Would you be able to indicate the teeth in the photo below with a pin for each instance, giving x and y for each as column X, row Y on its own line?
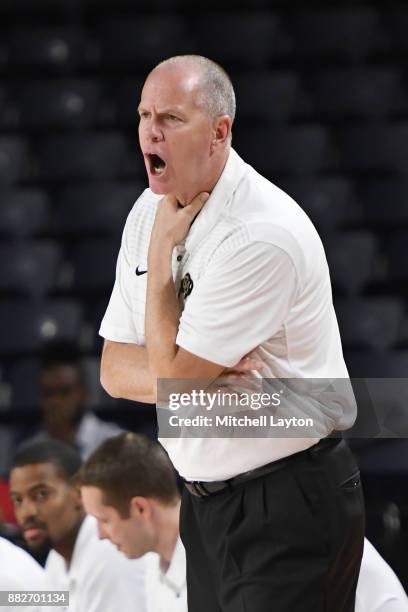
column 158, row 169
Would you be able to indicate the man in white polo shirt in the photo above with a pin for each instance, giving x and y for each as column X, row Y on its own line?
column 129, row 485
column 216, row 263
column 378, row 589
column 49, row 510
column 19, row 572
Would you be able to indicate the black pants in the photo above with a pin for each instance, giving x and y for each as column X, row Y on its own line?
column 290, row 541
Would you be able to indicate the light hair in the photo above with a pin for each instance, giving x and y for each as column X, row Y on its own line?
column 216, row 94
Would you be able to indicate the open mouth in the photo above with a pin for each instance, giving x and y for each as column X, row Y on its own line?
column 156, row 163
column 32, row 533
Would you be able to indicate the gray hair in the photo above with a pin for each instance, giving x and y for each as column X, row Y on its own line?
column 216, row 93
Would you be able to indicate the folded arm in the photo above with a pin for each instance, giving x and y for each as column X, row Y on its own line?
column 125, row 372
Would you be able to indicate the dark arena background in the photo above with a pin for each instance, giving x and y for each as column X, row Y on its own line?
column 322, row 111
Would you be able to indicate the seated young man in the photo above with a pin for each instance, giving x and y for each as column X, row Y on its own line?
column 50, row 513
column 129, row 485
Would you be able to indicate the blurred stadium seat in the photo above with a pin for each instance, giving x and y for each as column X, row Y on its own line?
column 349, row 34
column 296, row 150
column 330, row 202
column 94, row 265
column 398, row 151
column 367, row 148
column 254, row 38
column 351, row 257
column 25, row 326
column 142, row 5
column 25, row 396
column 127, row 98
column 3, row 96
column 278, row 92
column 385, row 202
column 14, row 163
column 9, row 110
column 82, row 156
column 373, row 323
column 94, row 209
column 23, row 212
column 357, row 92
column 144, row 41
column 398, row 258
column 381, row 364
column 29, row 267
column 60, row 8
column 397, row 18
column 57, row 48
column 62, row 103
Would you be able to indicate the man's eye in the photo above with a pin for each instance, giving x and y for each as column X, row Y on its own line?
column 41, row 495
column 173, row 117
column 143, row 115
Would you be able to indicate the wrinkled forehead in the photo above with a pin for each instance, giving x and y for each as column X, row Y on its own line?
column 170, row 86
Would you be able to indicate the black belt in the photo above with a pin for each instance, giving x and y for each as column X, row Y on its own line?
column 201, row 488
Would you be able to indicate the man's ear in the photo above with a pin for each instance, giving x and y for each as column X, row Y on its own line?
column 77, row 497
column 221, row 132
column 140, row 507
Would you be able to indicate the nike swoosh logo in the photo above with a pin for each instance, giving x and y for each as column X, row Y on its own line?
column 140, row 272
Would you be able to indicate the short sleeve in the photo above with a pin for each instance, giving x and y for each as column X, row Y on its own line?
column 240, row 301
column 118, row 323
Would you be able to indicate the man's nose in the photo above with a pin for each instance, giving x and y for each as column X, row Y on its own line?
column 27, row 510
column 153, row 131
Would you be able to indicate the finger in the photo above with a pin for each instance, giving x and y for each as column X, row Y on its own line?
column 246, row 365
column 196, row 204
column 251, row 364
column 252, row 355
column 231, row 376
column 169, row 200
column 239, row 382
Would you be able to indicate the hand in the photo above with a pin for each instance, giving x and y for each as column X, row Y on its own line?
column 242, row 368
column 242, row 375
column 173, row 221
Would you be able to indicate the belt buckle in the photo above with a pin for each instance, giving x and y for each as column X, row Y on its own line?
column 200, row 489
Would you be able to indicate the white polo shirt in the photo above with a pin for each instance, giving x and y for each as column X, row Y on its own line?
column 99, row 578
column 167, row 591
column 260, row 281
column 378, row 589
column 19, row 572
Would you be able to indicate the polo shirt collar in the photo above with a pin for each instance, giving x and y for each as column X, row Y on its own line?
column 175, row 576
column 234, row 170
column 86, row 533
